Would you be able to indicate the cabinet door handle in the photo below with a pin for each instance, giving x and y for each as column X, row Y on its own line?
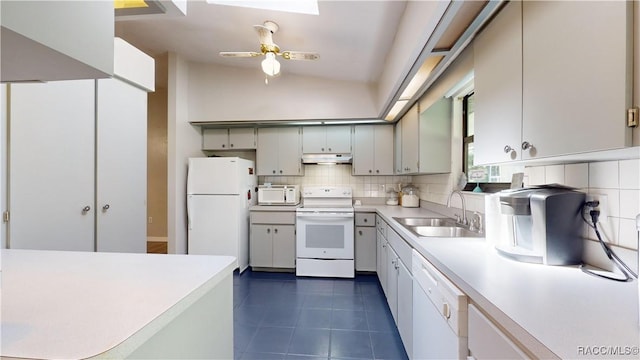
column 223, row 145
column 526, row 145
column 322, row 149
column 86, row 209
column 508, row 149
column 268, row 231
column 329, row 149
column 280, row 171
column 105, row 207
column 365, row 219
column 377, row 171
column 230, row 145
column 370, row 171
column 275, row 231
column 274, row 171
column 360, row 232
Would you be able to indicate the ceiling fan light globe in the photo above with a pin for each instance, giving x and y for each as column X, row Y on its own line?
column 270, row 65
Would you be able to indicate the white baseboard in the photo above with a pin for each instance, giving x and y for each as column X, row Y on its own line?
column 157, row 238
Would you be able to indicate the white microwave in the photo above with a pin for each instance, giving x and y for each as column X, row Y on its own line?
column 278, row 195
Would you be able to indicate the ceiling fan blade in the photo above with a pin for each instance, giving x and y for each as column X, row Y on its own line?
column 300, row 55
column 239, row 53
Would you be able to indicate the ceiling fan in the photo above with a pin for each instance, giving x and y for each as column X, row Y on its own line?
column 270, row 65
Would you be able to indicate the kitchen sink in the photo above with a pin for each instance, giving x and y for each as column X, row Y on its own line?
column 420, row 221
column 436, row 227
column 444, row 231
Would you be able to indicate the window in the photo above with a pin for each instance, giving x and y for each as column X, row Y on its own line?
column 488, row 178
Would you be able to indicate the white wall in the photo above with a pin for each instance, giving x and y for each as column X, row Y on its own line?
column 220, row 93
column 183, row 141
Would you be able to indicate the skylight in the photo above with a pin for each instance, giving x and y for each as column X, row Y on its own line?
column 309, row 7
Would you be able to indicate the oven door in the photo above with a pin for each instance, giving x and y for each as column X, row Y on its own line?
column 324, row 235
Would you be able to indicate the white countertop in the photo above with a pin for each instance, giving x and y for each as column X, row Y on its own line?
column 551, row 310
column 274, row 207
column 58, row 304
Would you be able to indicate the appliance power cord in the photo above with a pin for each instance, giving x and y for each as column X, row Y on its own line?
column 624, row 268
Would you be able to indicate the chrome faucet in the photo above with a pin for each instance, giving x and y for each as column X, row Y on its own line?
column 476, row 222
column 464, row 206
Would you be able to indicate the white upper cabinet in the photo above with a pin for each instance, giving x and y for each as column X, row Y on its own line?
column 215, row 139
column 576, row 88
column 498, row 88
column 410, row 141
column 38, row 34
column 242, row 138
column 279, row 151
column 538, row 98
column 229, row 139
column 435, row 138
column 373, row 150
column 397, row 146
column 326, row 139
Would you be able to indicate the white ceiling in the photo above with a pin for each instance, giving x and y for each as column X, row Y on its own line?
column 352, row 37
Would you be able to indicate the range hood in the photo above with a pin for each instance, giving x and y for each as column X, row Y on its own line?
column 326, row 158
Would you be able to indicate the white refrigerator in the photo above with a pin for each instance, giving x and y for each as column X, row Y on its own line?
column 219, row 194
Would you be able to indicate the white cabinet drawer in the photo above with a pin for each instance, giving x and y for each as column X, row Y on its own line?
column 400, row 247
column 382, row 226
column 273, row 217
column 365, row 219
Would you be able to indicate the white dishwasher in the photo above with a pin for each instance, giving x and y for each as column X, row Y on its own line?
column 439, row 314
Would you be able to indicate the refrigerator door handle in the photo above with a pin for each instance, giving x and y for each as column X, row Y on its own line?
column 189, row 226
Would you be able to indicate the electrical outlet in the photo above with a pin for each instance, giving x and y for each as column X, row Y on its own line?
column 150, row 220
column 603, row 207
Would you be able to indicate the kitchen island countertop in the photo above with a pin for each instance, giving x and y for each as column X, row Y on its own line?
column 61, row 304
column 552, row 311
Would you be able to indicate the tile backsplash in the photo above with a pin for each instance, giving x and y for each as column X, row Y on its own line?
column 339, row 175
column 618, row 181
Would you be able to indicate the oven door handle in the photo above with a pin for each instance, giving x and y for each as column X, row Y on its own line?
column 325, row 217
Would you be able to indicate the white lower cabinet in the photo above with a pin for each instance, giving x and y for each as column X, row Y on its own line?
column 272, row 239
column 486, row 341
column 394, row 272
column 405, row 307
column 381, row 253
column 392, row 282
column 365, row 242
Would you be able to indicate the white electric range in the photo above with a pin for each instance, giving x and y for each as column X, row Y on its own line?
column 324, row 233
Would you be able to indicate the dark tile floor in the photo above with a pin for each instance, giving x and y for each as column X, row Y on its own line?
column 280, row 316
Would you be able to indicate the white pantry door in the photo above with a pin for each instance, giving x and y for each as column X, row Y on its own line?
column 121, row 199
column 51, row 165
